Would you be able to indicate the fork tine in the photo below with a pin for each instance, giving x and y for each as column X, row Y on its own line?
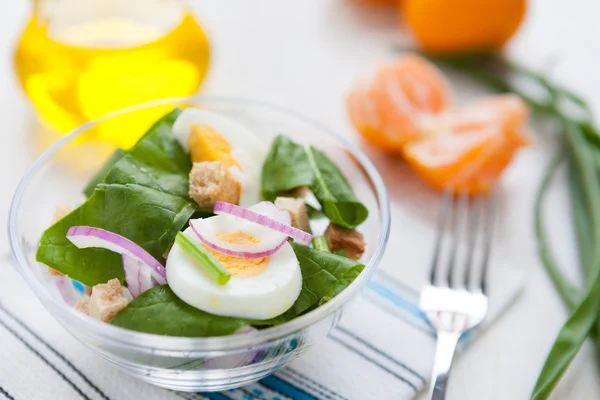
column 460, row 208
column 473, row 229
column 487, row 239
column 447, row 202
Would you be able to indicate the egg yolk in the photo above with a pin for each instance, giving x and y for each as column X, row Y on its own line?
column 206, row 144
column 240, row 267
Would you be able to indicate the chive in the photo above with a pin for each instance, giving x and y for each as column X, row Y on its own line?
column 209, row 264
column 320, row 243
column 581, row 220
column 566, row 290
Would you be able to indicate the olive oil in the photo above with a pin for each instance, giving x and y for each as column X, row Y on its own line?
column 78, row 69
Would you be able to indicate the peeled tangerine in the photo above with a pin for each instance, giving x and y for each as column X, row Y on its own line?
column 406, row 110
column 390, row 109
column 469, row 148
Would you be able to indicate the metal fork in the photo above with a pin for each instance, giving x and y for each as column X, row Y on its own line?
column 455, row 300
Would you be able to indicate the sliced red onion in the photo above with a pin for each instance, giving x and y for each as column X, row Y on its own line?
column 88, row 236
column 202, row 229
column 66, row 289
column 270, row 210
column 257, row 217
column 138, row 278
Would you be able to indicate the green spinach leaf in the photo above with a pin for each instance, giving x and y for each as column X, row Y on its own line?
column 286, row 167
column 324, row 275
column 99, row 177
column 143, row 197
column 314, row 213
column 290, row 165
column 334, row 193
column 161, row 312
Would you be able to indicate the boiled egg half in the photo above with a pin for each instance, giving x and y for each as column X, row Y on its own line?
column 259, row 288
column 209, row 136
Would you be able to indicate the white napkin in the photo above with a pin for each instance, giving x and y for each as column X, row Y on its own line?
column 382, row 349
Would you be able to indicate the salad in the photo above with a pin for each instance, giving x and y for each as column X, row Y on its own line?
column 201, row 230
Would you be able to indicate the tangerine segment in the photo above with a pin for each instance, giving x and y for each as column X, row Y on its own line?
column 367, row 119
column 389, row 111
column 469, row 148
column 508, row 110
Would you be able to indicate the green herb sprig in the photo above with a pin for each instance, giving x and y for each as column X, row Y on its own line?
column 203, row 258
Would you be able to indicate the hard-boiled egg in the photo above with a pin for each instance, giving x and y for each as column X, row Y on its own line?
column 209, row 136
column 259, row 288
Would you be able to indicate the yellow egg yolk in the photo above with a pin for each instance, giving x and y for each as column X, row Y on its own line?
column 206, row 144
column 240, row 267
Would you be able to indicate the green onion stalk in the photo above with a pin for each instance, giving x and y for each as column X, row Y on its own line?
column 580, row 154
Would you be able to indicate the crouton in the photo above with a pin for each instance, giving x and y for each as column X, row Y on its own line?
column 211, row 181
column 83, row 304
column 54, row 272
column 106, row 301
column 348, row 240
column 297, row 210
column 300, row 191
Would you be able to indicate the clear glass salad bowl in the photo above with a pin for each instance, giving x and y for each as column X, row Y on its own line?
column 187, row 364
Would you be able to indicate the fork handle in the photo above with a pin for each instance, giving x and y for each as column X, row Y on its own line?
column 444, row 352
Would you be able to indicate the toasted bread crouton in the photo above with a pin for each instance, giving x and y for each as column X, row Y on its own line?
column 297, row 210
column 348, row 240
column 300, row 191
column 83, row 304
column 54, row 272
column 106, row 300
column 211, row 181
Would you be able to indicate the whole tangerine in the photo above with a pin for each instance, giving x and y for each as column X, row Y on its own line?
column 458, row 26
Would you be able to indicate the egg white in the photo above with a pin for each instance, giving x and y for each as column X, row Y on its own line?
column 264, row 296
column 246, row 149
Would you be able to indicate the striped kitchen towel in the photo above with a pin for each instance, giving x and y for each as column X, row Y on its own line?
column 382, row 349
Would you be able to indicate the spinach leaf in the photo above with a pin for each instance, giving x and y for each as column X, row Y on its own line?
column 144, row 202
column 290, row 165
column 286, row 167
column 324, row 275
column 99, row 177
column 314, row 213
column 334, row 193
column 161, row 312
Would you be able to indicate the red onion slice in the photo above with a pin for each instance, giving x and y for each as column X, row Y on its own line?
column 230, row 250
column 138, row 278
column 66, row 289
column 249, row 215
column 88, row 236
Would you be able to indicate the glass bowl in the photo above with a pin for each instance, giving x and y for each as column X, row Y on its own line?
column 178, row 363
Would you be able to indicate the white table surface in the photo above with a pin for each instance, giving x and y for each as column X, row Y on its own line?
column 306, row 54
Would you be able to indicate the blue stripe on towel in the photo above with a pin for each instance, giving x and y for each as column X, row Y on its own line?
column 285, row 388
column 215, row 396
column 395, row 298
column 401, row 285
column 78, row 286
column 410, row 307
